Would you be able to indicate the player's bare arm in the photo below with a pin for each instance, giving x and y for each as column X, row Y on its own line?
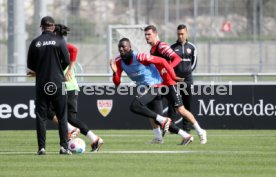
column 68, row 74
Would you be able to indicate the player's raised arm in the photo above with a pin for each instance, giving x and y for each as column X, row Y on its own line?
column 115, row 66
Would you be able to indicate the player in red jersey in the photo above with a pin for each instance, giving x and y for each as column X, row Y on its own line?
column 163, row 50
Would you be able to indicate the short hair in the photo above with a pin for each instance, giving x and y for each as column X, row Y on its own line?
column 47, row 22
column 181, row 26
column 124, row 40
column 151, row 27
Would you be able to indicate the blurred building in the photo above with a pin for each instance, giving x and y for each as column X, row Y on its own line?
column 232, row 36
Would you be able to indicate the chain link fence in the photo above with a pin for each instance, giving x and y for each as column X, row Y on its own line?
column 231, row 36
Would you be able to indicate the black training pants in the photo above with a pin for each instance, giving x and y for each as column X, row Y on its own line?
column 140, row 104
column 59, row 101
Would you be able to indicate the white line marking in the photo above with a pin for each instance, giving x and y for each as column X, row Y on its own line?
column 137, row 152
column 105, row 152
column 144, row 152
column 213, row 135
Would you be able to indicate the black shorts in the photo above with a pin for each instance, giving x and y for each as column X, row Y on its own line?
column 174, row 98
column 147, row 95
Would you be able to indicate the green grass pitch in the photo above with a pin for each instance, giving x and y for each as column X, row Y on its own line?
column 228, row 153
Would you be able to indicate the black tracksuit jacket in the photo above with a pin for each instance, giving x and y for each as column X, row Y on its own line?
column 188, row 53
column 48, row 56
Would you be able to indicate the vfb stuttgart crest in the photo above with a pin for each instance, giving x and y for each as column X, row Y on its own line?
column 104, row 106
column 189, row 51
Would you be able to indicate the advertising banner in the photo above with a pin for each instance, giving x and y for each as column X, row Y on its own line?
column 106, row 107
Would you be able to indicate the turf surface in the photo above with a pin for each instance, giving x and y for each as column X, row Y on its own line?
column 228, row 153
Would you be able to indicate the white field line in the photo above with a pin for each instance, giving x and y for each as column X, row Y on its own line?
column 213, row 135
column 145, row 152
column 105, row 152
column 132, row 152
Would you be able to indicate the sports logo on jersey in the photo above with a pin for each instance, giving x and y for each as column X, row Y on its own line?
column 49, row 43
column 38, row 44
column 104, row 106
column 189, row 50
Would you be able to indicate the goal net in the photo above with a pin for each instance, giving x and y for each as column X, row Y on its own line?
column 135, row 33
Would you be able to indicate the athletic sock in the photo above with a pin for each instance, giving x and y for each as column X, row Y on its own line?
column 70, row 127
column 160, row 119
column 157, row 133
column 197, row 128
column 183, row 134
column 91, row 136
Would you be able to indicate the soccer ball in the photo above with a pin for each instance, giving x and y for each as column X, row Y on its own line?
column 76, row 145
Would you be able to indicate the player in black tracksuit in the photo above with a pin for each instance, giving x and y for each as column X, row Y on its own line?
column 47, row 57
column 188, row 53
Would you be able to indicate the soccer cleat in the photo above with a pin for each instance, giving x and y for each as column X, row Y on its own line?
column 187, row 141
column 42, row 151
column 74, row 133
column 64, row 151
column 203, row 137
column 97, row 145
column 156, row 141
column 165, row 126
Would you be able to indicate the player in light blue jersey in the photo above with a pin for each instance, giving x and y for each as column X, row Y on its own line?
column 142, row 68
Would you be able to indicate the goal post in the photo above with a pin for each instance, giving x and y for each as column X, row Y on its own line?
column 135, row 33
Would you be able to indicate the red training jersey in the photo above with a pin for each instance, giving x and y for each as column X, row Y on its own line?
column 73, row 51
column 163, row 50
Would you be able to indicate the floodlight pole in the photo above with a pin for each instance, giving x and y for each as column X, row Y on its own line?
column 40, row 11
column 11, row 60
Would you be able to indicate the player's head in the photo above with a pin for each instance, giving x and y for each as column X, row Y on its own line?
column 151, row 35
column 47, row 24
column 182, row 33
column 124, row 48
column 61, row 30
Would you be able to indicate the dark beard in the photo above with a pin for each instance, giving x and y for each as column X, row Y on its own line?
column 127, row 58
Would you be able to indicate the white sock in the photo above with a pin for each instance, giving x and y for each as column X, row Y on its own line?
column 70, row 127
column 160, row 119
column 157, row 133
column 91, row 136
column 183, row 134
column 197, row 128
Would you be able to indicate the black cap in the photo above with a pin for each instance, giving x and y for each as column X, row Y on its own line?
column 47, row 21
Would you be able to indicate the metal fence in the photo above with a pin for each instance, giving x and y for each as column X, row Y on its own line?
column 199, row 78
column 232, row 36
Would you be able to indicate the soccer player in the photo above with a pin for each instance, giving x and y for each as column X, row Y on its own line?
column 47, row 57
column 146, row 70
column 188, row 53
column 72, row 89
column 163, row 50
